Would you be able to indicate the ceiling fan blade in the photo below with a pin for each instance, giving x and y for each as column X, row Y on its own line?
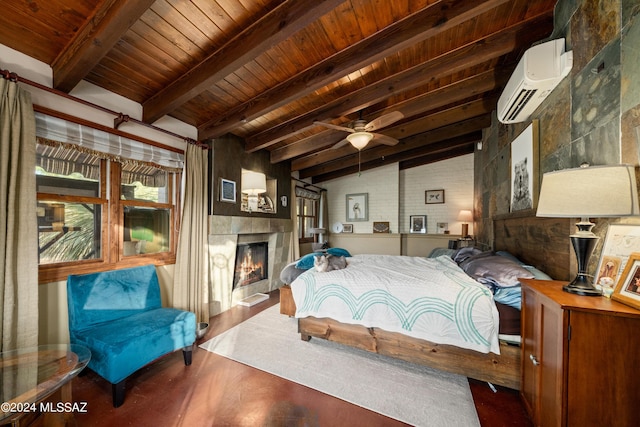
column 384, row 139
column 383, row 121
column 332, row 126
column 340, row 144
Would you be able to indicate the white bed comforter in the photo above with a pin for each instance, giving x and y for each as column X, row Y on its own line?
column 427, row 298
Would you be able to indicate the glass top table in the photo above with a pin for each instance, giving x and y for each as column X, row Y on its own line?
column 30, row 375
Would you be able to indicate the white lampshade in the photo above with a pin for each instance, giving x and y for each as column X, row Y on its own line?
column 359, row 139
column 465, row 215
column 253, row 183
column 589, row 192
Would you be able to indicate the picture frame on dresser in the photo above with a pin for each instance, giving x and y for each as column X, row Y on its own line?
column 618, row 245
column 627, row 290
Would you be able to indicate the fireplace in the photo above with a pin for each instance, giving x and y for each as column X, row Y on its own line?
column 251, row 264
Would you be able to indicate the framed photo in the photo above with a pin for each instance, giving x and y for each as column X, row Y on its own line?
column 433, row 197
column 524, row 169
column 227, row 190
column 621, row 240
column 381, row 227
column 627, row 290
column 418, row 223
column 347, row 228
column 442, row 228
column 357, row 207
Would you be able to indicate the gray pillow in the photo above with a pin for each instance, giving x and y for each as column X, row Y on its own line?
column 494, row 270
column 290, row 273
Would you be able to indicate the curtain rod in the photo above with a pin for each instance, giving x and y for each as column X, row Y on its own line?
column 306, row 184
column 117, row 121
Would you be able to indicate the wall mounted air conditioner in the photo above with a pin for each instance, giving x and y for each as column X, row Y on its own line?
column 539, row 71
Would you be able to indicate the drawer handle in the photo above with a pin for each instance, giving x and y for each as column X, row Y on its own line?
column 534, row 360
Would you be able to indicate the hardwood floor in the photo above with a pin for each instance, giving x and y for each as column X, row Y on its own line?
column 215, row 391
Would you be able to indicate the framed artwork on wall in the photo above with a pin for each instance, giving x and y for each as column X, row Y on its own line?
column 227, row 190
column 357, row 207
column 418, row 223
column 433, row 197
column 347, row 228
column 381, row 227
column 524, row 169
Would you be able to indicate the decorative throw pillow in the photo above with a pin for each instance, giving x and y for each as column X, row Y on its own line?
column 338, row 252
column 306, row 262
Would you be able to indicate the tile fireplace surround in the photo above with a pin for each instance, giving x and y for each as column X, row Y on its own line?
column 225, row 232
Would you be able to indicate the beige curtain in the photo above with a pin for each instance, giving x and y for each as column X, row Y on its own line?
column 18, row 233
column 190, row 281
column 294, row 253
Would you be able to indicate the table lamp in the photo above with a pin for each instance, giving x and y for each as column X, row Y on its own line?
column 588, row 192
column 253, row 183
column 465, row 216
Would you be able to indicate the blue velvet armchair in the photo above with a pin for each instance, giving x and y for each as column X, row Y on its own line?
column 118, row 315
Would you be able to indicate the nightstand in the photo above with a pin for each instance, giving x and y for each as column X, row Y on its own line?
column 579, row 358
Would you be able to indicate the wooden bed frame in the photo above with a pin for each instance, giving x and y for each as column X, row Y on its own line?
column 527, row 237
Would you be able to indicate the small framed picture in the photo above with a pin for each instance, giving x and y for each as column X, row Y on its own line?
column 627, row 290
column 227, row 190
column 418, row 223
column 433, row 197
column 442, row 228
column 347, row 228
column 381, row 227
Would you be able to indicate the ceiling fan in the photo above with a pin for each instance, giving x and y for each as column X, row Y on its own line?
column 361, row 132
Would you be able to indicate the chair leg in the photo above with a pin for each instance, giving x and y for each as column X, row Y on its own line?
column 186, row 353
column 118, row 393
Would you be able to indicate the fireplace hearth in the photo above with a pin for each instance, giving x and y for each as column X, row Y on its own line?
column 251, row 264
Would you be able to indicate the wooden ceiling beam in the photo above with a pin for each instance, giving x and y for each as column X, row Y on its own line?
column 446, row 150
column 94, row 40
column 420, row 26
column 480, row 51
column 450, row 94
column 406, row 145
column 275, row 27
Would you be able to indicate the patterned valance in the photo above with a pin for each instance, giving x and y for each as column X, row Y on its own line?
column 307, row 194
column 116, row 147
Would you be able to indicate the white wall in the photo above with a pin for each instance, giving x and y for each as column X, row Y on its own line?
column 396, row 194
column 381, row 184
column 455, row 176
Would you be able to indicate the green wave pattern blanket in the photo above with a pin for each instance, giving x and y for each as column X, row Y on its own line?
column 428, row 298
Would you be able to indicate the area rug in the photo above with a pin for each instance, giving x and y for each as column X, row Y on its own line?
column 410, row 393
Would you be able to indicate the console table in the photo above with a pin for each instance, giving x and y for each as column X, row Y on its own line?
column 29, row 376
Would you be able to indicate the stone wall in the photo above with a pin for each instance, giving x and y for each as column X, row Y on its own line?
column 592, row 116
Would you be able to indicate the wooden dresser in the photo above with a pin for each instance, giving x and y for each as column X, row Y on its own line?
column 580, row 358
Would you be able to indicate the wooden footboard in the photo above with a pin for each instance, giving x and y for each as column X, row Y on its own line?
column 503, row 369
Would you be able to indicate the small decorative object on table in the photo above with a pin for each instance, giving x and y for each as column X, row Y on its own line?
column 381, row 227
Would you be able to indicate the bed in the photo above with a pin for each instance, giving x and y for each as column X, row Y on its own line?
column 487, row 358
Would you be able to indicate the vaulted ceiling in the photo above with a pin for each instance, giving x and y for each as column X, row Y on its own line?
column 268, row 71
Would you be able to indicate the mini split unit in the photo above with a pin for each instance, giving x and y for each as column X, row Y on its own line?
column 539, row 71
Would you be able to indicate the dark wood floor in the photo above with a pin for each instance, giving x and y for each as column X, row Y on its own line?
column 215, row 391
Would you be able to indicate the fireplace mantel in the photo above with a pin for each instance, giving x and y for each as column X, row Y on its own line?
column 224, row 234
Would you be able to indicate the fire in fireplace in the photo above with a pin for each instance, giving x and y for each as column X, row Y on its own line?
column 251, row 263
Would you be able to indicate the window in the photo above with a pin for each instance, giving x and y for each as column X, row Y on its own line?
column 307, row 214
column 94, row 213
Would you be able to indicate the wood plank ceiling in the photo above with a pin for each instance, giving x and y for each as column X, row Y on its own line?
column 267, row 71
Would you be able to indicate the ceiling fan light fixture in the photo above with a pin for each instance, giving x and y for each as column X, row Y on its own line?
column 359, row 139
